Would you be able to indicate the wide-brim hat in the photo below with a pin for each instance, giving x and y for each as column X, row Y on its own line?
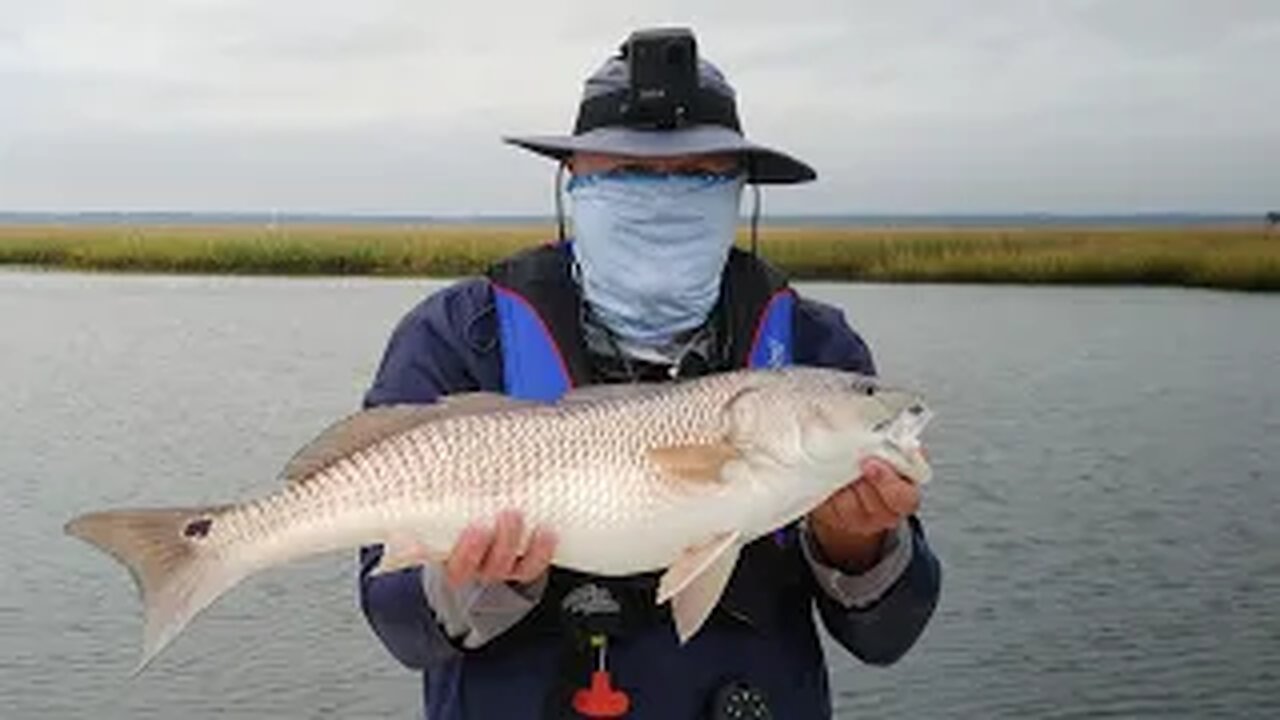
column 713, row 127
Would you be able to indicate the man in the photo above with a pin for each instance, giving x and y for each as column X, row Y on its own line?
column 649, row 289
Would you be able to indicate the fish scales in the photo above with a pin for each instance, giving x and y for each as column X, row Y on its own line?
column 552, row 463
column 548, row 462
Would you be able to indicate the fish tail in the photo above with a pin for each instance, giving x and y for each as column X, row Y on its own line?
column 175, row 570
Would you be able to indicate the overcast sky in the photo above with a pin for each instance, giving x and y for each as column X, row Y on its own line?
column 398, row 105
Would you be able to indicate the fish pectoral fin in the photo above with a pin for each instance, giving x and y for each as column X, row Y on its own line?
column 402, row 551
column 695, row 582
column 698, row 463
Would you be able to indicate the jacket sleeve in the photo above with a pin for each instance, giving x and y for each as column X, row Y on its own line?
column 877, row 615
column 444, row 345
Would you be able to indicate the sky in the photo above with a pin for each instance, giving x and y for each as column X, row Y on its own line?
column 398, row 106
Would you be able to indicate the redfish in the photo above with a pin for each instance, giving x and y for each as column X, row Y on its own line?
column 673, row 477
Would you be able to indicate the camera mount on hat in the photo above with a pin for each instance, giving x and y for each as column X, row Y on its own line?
column 662, row 91
column 663, row 70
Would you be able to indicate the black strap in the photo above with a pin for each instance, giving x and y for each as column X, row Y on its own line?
column 614, row 109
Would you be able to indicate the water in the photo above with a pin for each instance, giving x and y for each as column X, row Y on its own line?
column 1108, row 482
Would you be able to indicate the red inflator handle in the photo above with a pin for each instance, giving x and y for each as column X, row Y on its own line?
column 601, row 700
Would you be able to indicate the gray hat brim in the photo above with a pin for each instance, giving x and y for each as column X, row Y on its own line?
column 765, row 165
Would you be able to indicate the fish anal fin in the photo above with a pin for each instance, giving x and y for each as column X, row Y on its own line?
column 694, row 462
column 695, row 582
column 368, row 427
column 402, row 551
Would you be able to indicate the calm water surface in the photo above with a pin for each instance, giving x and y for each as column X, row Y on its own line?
column 1106, row 505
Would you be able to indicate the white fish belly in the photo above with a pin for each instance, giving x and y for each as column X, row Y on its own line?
column 607, row 523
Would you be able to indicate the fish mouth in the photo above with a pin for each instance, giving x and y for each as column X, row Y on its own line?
column 902, row 441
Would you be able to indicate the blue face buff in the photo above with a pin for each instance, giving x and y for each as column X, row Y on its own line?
column 651, row 248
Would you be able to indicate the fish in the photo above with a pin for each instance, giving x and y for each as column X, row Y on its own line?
column 674, row 478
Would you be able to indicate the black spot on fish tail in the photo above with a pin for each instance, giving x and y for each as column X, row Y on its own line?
column 864, row 386
column 198, row 528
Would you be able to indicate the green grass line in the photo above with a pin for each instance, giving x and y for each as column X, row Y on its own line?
column 1241, row 258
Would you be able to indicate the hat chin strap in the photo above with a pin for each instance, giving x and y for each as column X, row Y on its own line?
column 755, row 217
column 755, row 205
column 559, row 191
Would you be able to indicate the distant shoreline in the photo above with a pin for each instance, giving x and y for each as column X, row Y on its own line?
column 1237, row 256
column 823, row 220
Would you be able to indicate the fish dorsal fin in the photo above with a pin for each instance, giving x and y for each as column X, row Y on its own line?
column 480, row 402
column 694, row 462
column 368, row 427
column 355, row 433
column 613, row 391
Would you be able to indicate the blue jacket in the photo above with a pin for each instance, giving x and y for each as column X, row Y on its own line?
column 448, row 344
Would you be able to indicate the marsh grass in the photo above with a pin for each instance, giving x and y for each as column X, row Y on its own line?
column 1226, row 257
column 1242, row 258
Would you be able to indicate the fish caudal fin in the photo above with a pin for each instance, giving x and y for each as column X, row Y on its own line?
column 696, row 581
column 166, row 552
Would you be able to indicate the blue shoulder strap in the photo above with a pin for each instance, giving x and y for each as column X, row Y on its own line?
column 771, row 346
column 533, row 366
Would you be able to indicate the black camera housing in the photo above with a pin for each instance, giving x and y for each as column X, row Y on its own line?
column 663, row 65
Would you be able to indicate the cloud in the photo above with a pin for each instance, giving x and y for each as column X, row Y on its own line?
column 1000, row 105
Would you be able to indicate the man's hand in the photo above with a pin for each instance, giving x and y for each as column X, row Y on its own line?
column 850, row 526
column 491, row 554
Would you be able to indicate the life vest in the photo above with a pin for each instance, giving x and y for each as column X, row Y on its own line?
column 540, row 331
column 544, row 355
